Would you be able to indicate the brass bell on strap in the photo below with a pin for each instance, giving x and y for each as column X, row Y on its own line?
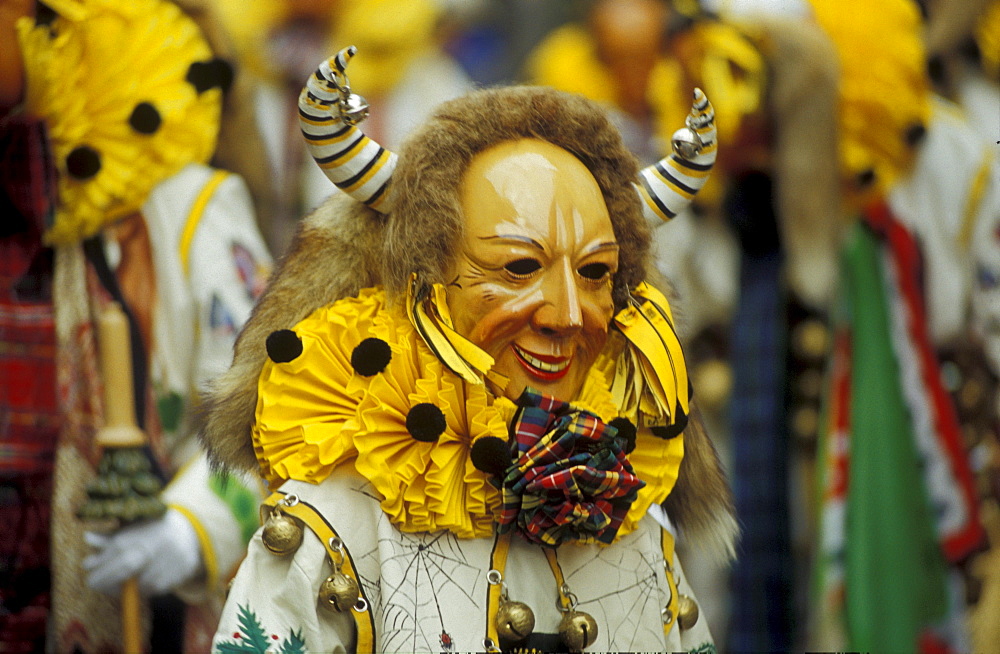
column 282, row 534
column 578, row 630
column 338, row 593
column 514, row 620
column 687, row 612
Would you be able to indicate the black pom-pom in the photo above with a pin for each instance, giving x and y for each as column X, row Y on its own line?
column 936, row 69
column 425, row 422
column 283, row 346
column 865, row 178
column 370, row 357
column 673, row 430
column 204, row 75
column 914, row 134
column 83, row 162
column 490, row 454
column 145, row 119
column 626, row 431
column 44, row 15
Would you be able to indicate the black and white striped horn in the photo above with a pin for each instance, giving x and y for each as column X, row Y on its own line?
column 329, row 114
column 668, row 186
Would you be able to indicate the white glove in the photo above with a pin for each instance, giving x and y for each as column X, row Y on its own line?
column 163, row 554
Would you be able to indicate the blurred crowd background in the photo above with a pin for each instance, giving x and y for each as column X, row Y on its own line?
column 837, row 282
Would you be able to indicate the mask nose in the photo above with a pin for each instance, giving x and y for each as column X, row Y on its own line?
column 560, row 313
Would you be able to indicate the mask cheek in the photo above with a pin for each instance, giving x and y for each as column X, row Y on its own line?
column 498, row 326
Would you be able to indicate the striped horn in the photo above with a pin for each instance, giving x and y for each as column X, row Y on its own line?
column 668, row 186
column 329, row 114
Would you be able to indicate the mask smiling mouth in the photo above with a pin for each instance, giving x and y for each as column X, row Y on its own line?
column 548, row 368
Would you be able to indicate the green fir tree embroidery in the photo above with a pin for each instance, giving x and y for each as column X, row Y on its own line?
column 251, row 638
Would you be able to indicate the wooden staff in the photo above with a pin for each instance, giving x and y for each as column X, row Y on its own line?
column 125, row 489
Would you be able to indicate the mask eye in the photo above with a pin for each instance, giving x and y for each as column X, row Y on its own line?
column 594, row 271
column 522, row 267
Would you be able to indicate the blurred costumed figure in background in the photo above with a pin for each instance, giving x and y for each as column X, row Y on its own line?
column 110, row 194
column 472, row 404
column 963, row 51
column 405, row 72
column 898, row 495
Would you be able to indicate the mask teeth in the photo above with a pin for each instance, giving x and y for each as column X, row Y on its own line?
column 354, row 163
column 667, row 187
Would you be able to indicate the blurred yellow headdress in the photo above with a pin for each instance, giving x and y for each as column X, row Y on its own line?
column 130, row 94
column 884, row 90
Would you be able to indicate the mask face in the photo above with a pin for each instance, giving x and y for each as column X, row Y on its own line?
column 532, row 286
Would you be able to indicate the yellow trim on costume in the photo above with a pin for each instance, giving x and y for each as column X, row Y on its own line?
column 207, row 551
column 557, row 573
column 324, row 531
column 975, row 198
column 195, row 215
column 667, row 544
column 498, row 562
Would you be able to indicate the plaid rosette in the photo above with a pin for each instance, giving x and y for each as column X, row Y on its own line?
column 570, row 479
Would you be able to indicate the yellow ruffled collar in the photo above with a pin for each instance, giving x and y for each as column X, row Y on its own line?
column 315, row 412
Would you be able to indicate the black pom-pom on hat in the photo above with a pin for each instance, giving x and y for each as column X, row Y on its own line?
column 205, row 75
column 490, row 455
column 626, row 431
column 283, row 346
column 83, row 162
column 425, row 422
column 371, row 356
column 145, row 119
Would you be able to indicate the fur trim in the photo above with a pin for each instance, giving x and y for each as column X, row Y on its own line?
column 802, row 102
column 334, row 255
column 701, row 503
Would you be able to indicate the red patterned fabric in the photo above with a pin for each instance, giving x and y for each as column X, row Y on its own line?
column 29, row 421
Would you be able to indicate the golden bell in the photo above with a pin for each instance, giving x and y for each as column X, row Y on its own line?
column 578, row 630
column 515, row 621
column 687, row 612
column 282, row 534
column 338, row 593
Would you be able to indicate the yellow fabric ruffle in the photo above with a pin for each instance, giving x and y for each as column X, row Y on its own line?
column 315, row 413
column 86, row 73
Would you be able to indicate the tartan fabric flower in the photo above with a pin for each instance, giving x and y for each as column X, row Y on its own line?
column 570, row 479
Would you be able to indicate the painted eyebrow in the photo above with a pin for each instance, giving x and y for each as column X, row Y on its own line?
column 607, row 245
column 514, row 237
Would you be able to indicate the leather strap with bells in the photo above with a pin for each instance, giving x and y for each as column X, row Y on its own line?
column 514, row 621
column 680, row 609
column 341, row 591
column 578, row 630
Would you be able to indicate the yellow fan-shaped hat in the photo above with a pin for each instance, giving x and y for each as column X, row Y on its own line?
column 884, row 90
column 130, row 93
